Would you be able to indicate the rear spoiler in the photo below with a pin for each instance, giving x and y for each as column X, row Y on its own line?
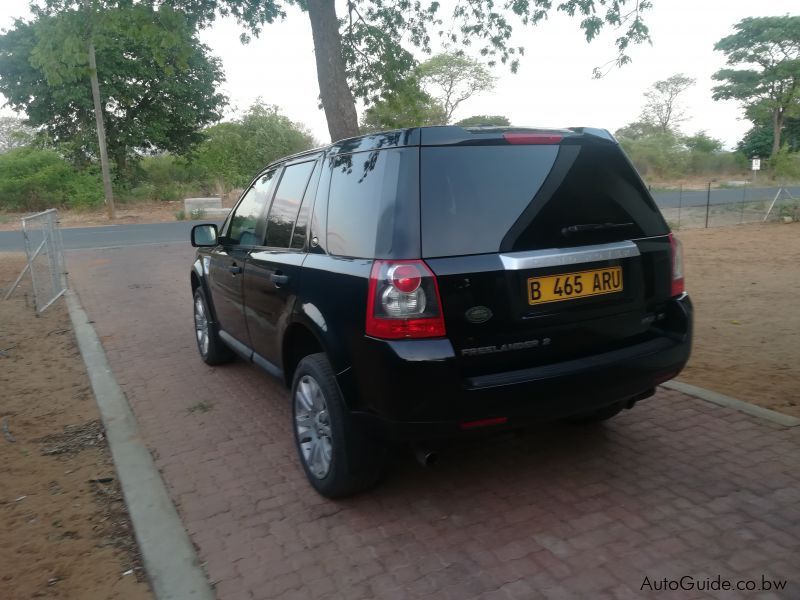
column 490, row 136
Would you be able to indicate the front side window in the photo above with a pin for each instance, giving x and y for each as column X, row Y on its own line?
column 244, row 222
column 283, row 213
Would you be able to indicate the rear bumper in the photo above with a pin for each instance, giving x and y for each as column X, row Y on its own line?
column 412, row 389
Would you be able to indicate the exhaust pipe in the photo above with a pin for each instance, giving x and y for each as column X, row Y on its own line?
column 426, row 457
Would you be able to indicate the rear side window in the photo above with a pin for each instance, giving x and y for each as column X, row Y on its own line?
column 486, row 199
column 300, row 227
column 285, row 206
column 373, row 204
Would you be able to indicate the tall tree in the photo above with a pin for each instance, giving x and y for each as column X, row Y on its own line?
column 662, row 107
column 365, row 53
column 452, row 79
column 767, row 50
column 158, row 82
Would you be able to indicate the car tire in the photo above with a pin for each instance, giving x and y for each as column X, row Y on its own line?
column 212, row 349
column 598, row 416
column 338, row 457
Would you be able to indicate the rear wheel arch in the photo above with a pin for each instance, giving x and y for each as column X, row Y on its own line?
column 299, row 341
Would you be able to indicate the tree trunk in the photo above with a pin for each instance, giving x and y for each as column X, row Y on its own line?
column 337, row 99
column 101, row 132
column 777, row 125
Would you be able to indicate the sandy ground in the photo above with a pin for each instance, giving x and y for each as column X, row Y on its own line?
column 64, row 529
column 745, row 283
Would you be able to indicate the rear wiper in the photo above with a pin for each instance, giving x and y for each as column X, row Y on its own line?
column 572, row 229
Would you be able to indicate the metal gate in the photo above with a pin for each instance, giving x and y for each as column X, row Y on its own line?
column 45, row 253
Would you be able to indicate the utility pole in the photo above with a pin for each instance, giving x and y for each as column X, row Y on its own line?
column 101, row 132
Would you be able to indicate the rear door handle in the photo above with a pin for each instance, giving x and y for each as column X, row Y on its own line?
column 279, row 279
column 234, row 269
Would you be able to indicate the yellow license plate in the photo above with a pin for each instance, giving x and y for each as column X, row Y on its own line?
column 568, row 286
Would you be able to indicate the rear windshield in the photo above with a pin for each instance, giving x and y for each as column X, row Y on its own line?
column 485, row 199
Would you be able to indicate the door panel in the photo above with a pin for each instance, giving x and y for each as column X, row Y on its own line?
column 272, row 273
column 226, row 268
column 225, row 275
column 270, row 285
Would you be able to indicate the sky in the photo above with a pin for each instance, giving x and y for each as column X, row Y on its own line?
column 553, row 87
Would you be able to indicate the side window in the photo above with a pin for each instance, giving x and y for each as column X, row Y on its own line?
column 244, row 222
column 319, row 214
column 283, row 213
column 373, row 205
column 299, row 235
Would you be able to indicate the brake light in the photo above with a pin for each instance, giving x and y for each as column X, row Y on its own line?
column 676, row 254
column 403, row 301
column 532, row 138
column 484, row 423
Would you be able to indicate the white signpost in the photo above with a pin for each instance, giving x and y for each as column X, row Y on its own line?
column 756, row 163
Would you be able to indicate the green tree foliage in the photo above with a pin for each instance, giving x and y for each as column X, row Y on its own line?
column 365, row 52
column 452, row 78
column 785, row 165
column 662, row 107
column 758, row 140
column 702, row 142
column 15, row 134
column 158, row 83
column 407, row 106
column 233, row 152
column 767, row 50
column 484, row 121
column 32, row 179
column 637, row 130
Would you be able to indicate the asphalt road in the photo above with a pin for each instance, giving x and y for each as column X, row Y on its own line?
column 113, row 236
column 734, row 195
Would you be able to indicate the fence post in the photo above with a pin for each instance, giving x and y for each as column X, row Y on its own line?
column 708, row 202
column 680, row 204
column 744, row 197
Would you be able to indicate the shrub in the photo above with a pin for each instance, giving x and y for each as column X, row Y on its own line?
column 785, row 165
column 33, row 179
column 232, row 153
column 162, row 177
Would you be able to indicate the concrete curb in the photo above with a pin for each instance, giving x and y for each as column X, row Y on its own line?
column 727, row 401
column 169, row 557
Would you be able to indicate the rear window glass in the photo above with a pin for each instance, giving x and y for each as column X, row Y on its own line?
column 472, row 195
column 485, row 199
column 373, row 204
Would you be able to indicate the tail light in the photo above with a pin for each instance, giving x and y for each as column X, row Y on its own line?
column 403, row 301
column 676, row 252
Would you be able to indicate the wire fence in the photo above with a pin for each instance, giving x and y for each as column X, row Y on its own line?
column 732, row 205
column 44, row 250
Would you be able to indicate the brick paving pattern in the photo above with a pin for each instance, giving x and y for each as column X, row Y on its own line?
column 674, row 487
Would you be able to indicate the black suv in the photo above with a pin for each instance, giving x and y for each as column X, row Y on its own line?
column 435, row 282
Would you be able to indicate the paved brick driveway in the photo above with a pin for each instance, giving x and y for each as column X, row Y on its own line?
column 675, row 487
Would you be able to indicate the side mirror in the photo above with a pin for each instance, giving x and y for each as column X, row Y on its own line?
column 204, row 235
